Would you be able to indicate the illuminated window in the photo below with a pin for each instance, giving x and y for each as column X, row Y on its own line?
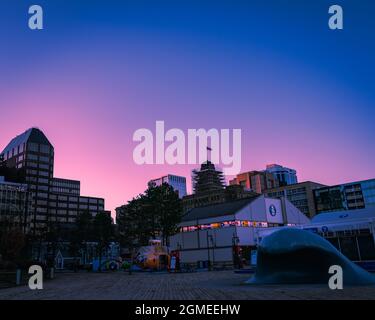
column 205, row 226
column 245, row 224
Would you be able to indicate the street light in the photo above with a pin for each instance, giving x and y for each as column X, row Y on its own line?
column 213, row 248
column 235, row 242
column 208, row 251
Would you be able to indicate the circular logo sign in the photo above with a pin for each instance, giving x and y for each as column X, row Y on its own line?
column 272, row 210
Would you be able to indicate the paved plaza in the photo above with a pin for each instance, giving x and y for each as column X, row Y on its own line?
column 214, row 285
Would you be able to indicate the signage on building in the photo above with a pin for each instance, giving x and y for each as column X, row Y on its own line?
column 274, row 211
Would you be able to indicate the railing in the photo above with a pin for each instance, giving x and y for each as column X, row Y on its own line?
column 12, row 278
column 20, row 277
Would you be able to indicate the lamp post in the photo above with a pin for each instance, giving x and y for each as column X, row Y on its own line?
column 178, row 256
column 235, row 241
column 213, row 248
column 208, row 251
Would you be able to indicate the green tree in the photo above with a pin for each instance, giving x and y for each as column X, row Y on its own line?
column 53, row 237
column 156, row 213
column 82, row 233
column 12, row 242
column 166, row 209
column 103, row 233
column 132, row 231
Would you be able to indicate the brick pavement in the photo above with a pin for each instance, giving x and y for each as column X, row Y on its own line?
column 189, row 286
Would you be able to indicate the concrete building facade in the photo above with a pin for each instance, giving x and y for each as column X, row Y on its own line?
column 301, row 195
column 256, row 181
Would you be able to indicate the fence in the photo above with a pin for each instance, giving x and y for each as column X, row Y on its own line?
column 19, row 277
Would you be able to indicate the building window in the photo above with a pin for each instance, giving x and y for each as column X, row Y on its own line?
column 33, row 146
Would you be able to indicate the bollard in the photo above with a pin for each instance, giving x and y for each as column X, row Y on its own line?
column 18, row 277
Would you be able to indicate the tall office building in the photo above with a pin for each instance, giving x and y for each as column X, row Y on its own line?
column 53, row 200
column 33, row 154
column 301, row 195
column 256, row 181
column 347, row 196
column 285, row 176
column 178, row 183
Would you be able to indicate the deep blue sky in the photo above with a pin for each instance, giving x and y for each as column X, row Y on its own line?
column 294, row 29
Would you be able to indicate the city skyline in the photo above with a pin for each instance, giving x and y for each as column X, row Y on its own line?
column 90, row 83
column 188, row 178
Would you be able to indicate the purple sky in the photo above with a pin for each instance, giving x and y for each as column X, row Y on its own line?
column 302, row 94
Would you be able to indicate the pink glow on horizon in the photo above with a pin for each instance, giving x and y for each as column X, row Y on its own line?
column 90, row 122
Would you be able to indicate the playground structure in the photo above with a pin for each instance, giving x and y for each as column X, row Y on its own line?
column 153, row 257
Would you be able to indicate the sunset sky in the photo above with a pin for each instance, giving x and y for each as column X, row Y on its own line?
column 302, row 94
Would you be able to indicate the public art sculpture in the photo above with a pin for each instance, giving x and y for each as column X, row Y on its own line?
column 153, row 257
column 290, row 256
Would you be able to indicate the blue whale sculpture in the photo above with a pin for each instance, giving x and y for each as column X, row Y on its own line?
column 290, row 256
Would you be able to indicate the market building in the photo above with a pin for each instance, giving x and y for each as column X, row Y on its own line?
column 224, row 232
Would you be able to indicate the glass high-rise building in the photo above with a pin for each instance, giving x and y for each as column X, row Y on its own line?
column 178, row 183
column 285, row 176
